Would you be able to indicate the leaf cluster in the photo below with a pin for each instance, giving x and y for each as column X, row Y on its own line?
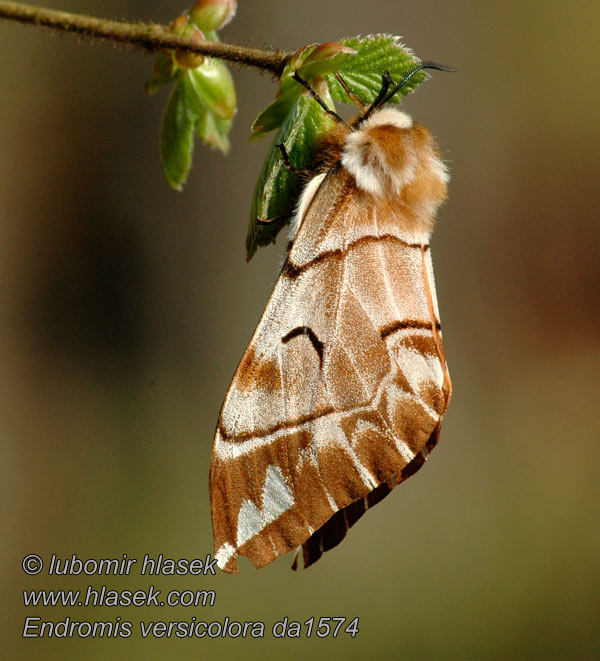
column 202, row 104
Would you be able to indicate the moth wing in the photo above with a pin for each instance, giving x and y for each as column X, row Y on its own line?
column 340, row 392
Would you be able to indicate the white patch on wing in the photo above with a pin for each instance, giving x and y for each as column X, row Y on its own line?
column 276, row 499
column 250, row 522
column 419, row 369
column 277, row 496
column 405, row 452
column 224, row 554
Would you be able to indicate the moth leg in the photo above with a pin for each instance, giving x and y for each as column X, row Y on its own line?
column 286, row 160
column 355, row 100
column 319, row 100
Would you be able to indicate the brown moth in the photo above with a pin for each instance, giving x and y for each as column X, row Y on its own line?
column 341, row 392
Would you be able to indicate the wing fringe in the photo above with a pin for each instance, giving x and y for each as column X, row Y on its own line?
column 333, row 531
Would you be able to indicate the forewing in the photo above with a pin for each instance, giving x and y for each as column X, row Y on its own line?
column 339, row 391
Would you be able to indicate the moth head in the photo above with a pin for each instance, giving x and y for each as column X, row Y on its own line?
column 395, row 160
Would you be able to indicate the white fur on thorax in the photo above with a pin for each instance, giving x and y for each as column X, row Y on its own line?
column 368, row 164
column 439, row 168
column 392, row 116
column 366, row 161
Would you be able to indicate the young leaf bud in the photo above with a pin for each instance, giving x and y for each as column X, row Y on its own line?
column 183, row 26
column 325, row 58
column 211, row 15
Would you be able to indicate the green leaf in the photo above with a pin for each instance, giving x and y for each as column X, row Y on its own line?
column 177, row 132
column 203, row 101
column 295, row 61
column 363, row 72
column 186, row 116
column 277, row 189
column 361, row 62
column 311, row 62
column 214, row 85
column 214, row 131
column 273, row 116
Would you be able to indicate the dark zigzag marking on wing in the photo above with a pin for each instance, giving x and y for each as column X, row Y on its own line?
column 292, row 271
column 412, row 324
column 308, row 331
column 298, row 422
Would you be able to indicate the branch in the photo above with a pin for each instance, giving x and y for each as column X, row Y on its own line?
column 149, row 36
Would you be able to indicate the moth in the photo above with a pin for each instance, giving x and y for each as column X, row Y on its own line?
column 341, row 393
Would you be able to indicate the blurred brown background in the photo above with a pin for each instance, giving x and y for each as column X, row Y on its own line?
column 125, row 308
